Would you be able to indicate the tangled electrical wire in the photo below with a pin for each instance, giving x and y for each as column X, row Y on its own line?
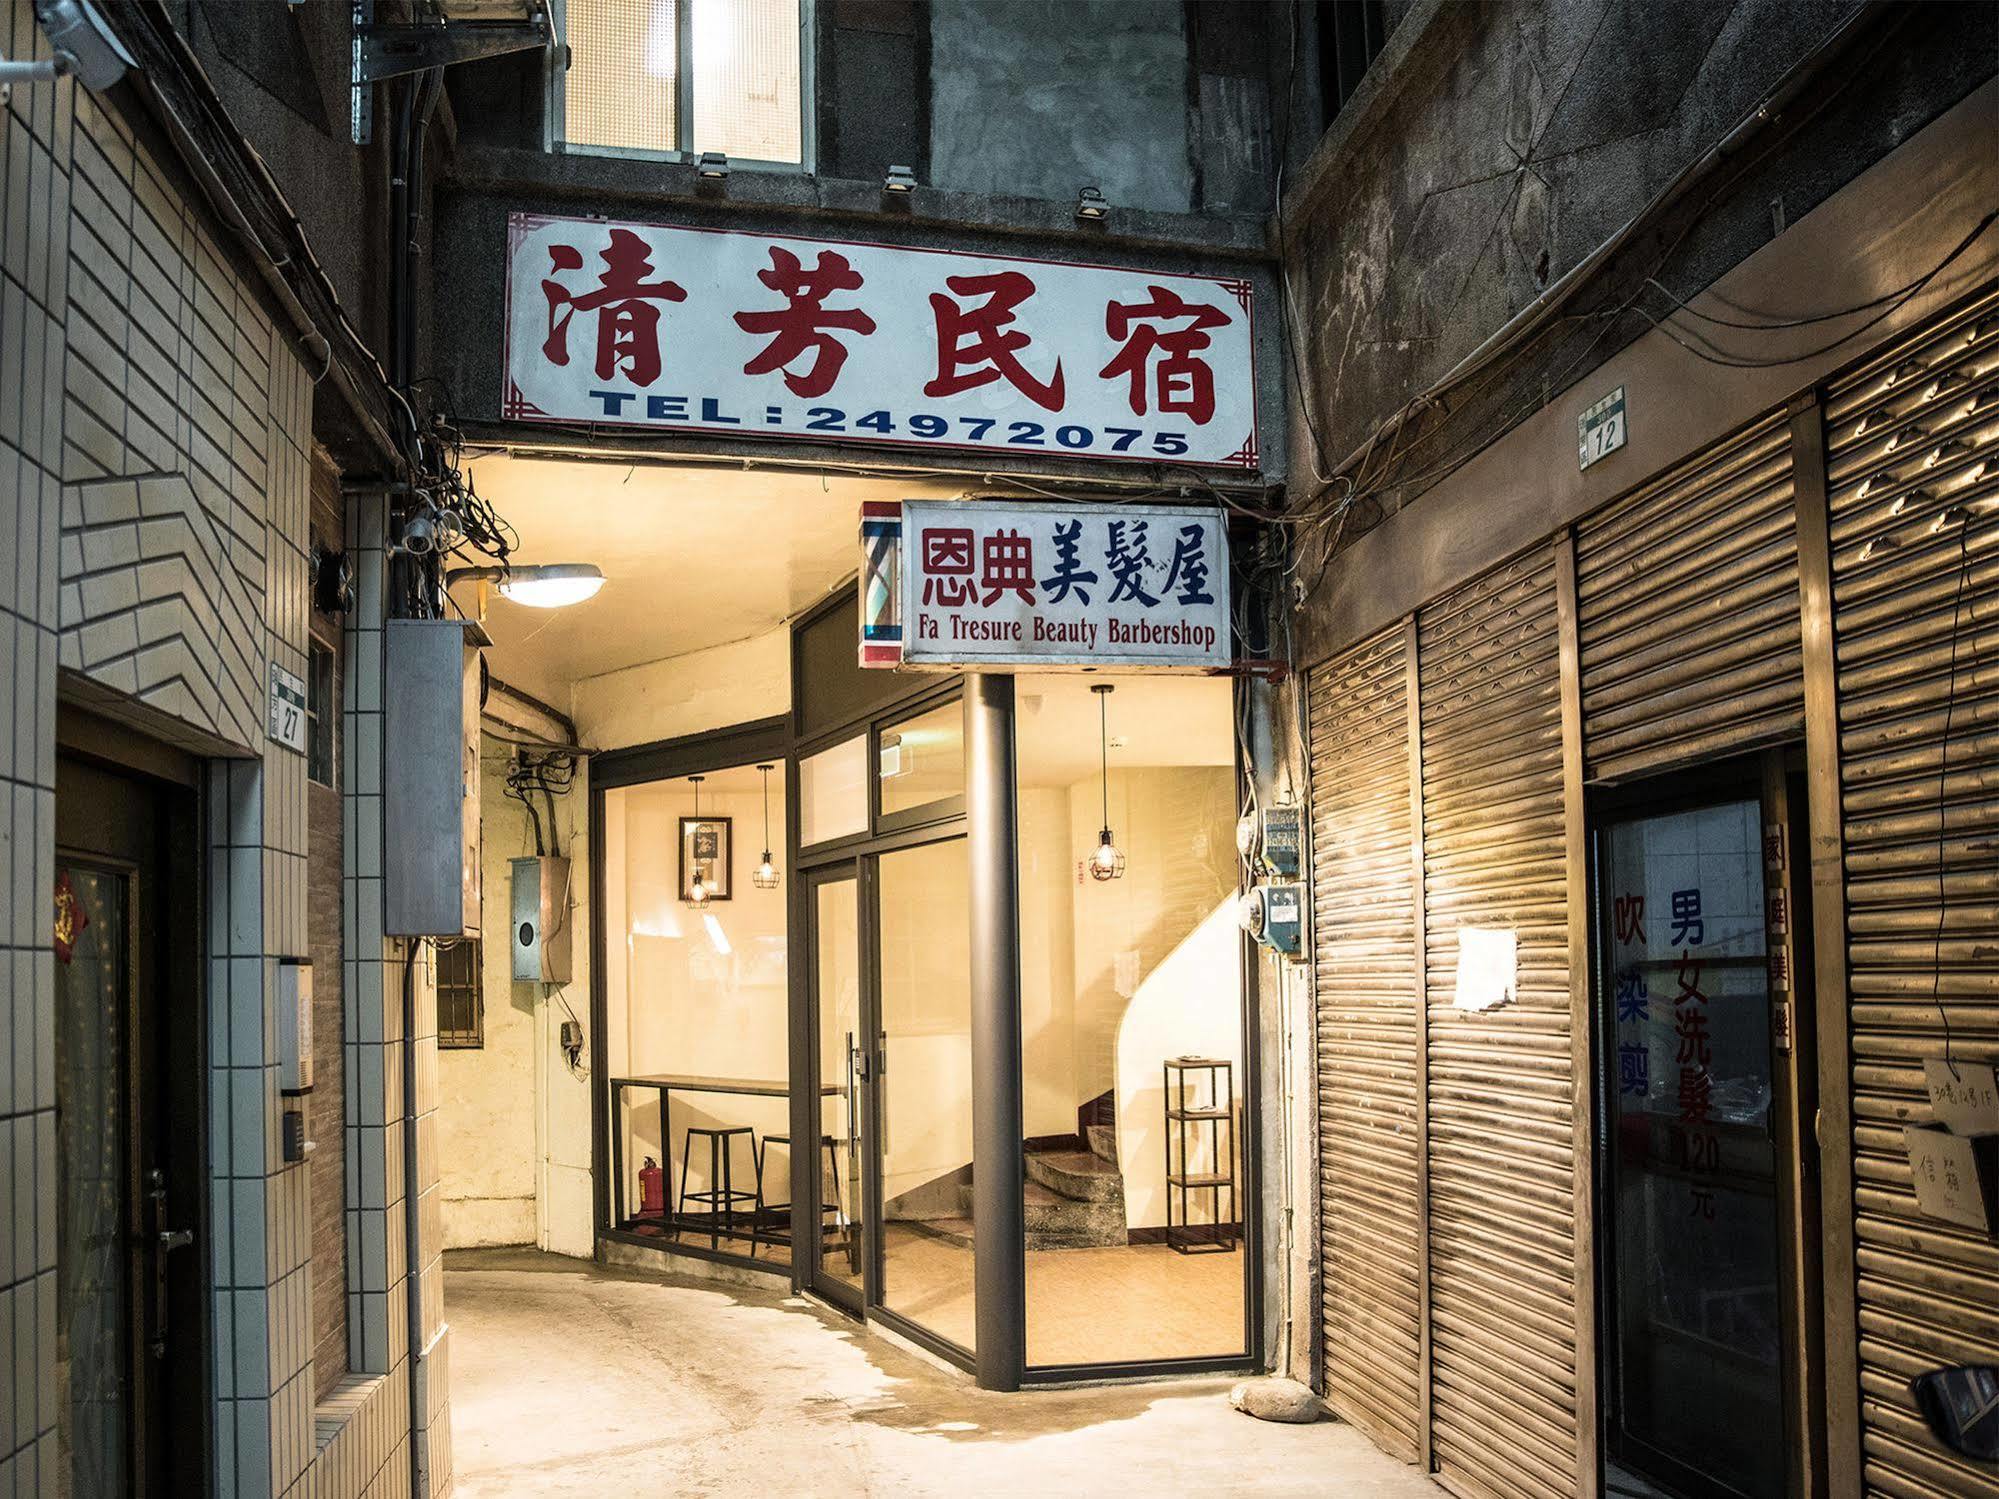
column 532, row 774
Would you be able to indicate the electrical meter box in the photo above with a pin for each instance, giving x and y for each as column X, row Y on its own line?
column 541, row 936
column 430, row 779
column 1275, row 916
column 1272, row 840
column 1283, row 841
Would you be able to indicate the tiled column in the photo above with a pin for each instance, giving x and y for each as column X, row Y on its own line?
column 391, row 1068
column 34, row 198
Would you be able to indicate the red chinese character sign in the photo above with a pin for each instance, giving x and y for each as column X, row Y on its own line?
column 1014, row 583
column 749, row 334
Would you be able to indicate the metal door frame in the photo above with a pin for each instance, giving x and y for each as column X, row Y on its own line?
column 808, row 1180
column 1758, row 777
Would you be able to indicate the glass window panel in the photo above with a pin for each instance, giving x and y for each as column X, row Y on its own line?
column 696, row 989
column 93, row 1295
column 926, row 1092
column 922, row 759
column 833, row 793
column 1119, row 978
column 745, row 68
column 837, row 980
column 624, row 73
column 1693, row 1187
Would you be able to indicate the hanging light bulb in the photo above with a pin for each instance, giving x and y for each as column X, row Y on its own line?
column 765, row 877
column 1107, row 863
column 697, row 889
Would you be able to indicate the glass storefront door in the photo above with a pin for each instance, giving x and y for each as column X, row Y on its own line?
column 1693, row 1336
column 834, row 976
column 924, row 1087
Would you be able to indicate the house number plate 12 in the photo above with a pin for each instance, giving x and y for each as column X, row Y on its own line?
column 1601, row 430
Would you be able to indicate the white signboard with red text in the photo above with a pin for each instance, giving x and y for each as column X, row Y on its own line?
column 1005, row 583
column 730, row 332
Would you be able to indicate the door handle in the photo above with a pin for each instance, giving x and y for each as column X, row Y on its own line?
column 165, row 1241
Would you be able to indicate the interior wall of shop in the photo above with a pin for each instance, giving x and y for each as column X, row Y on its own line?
column 674, row 999
column 156, row 507
column 1490, row 150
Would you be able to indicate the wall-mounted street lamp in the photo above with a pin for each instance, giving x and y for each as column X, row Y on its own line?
column 1091, row 205
column 1107, row 863
column 541, row 585
column 712, row 167
column 900, row 182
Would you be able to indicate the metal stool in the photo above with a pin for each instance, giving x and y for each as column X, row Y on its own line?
column 721, row 1200
column 826, row 1205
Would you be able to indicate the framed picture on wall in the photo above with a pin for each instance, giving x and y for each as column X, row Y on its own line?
column 706, row 854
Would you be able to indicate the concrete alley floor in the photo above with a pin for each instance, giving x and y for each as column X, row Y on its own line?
column 570, row 1379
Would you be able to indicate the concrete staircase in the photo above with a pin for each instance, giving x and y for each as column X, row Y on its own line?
column 1072, row 1199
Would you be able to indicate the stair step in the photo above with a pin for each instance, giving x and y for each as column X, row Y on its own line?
column 1103, row 1142
column 1075, row 1173
column 1054, row 1221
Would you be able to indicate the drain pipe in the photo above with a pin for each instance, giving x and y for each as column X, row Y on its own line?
column 413, row 116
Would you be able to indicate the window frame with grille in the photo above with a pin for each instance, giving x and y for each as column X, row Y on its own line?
column 461, row 999
column 686, row 148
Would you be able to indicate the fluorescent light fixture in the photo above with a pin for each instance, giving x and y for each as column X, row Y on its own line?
column 899, row 180
column 1091, row 204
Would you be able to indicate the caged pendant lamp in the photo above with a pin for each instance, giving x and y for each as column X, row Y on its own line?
column 1107, row 862
column 765, row 877
column 697, row 890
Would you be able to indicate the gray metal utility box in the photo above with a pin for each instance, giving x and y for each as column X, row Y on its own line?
column 430, row 779
column 541, row 906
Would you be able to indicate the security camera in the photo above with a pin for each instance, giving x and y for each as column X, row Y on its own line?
column 84, row 45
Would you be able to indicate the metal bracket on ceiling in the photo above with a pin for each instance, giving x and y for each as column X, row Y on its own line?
column 391, row 51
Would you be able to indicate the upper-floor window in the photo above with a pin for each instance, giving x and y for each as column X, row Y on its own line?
column 682, row 77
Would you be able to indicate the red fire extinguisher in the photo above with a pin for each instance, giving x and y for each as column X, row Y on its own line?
column 652, row 1189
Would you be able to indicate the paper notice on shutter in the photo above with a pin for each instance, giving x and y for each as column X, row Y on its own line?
column 1488, row 967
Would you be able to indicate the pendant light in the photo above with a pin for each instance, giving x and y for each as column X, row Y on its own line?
column 765, row 877
column 697, row 889
column 1107, row 863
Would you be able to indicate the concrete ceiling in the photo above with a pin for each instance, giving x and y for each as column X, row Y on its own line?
column 692, row 557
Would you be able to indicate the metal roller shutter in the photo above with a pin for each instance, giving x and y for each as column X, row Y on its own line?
column 1369, row 1039
column 1912, row 447
column 1502, row 1160
column 1687, row 607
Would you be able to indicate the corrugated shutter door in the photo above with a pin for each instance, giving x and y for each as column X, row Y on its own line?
column 1502, row 1148
column 1363, row 891
column 1912, row 444
column 1687, row 609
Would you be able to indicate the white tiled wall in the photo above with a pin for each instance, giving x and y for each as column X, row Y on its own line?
column 155, row 427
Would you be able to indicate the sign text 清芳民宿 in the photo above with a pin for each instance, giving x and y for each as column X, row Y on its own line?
column 753, row 334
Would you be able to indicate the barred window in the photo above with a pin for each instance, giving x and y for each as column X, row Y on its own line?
column 679, row 77
column 320, row 714
column 461, row 1008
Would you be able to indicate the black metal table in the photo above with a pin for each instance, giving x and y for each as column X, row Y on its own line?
column 666, row 1084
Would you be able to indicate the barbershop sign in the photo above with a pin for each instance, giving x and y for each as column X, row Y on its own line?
column 722, row 331
column 987, row 583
